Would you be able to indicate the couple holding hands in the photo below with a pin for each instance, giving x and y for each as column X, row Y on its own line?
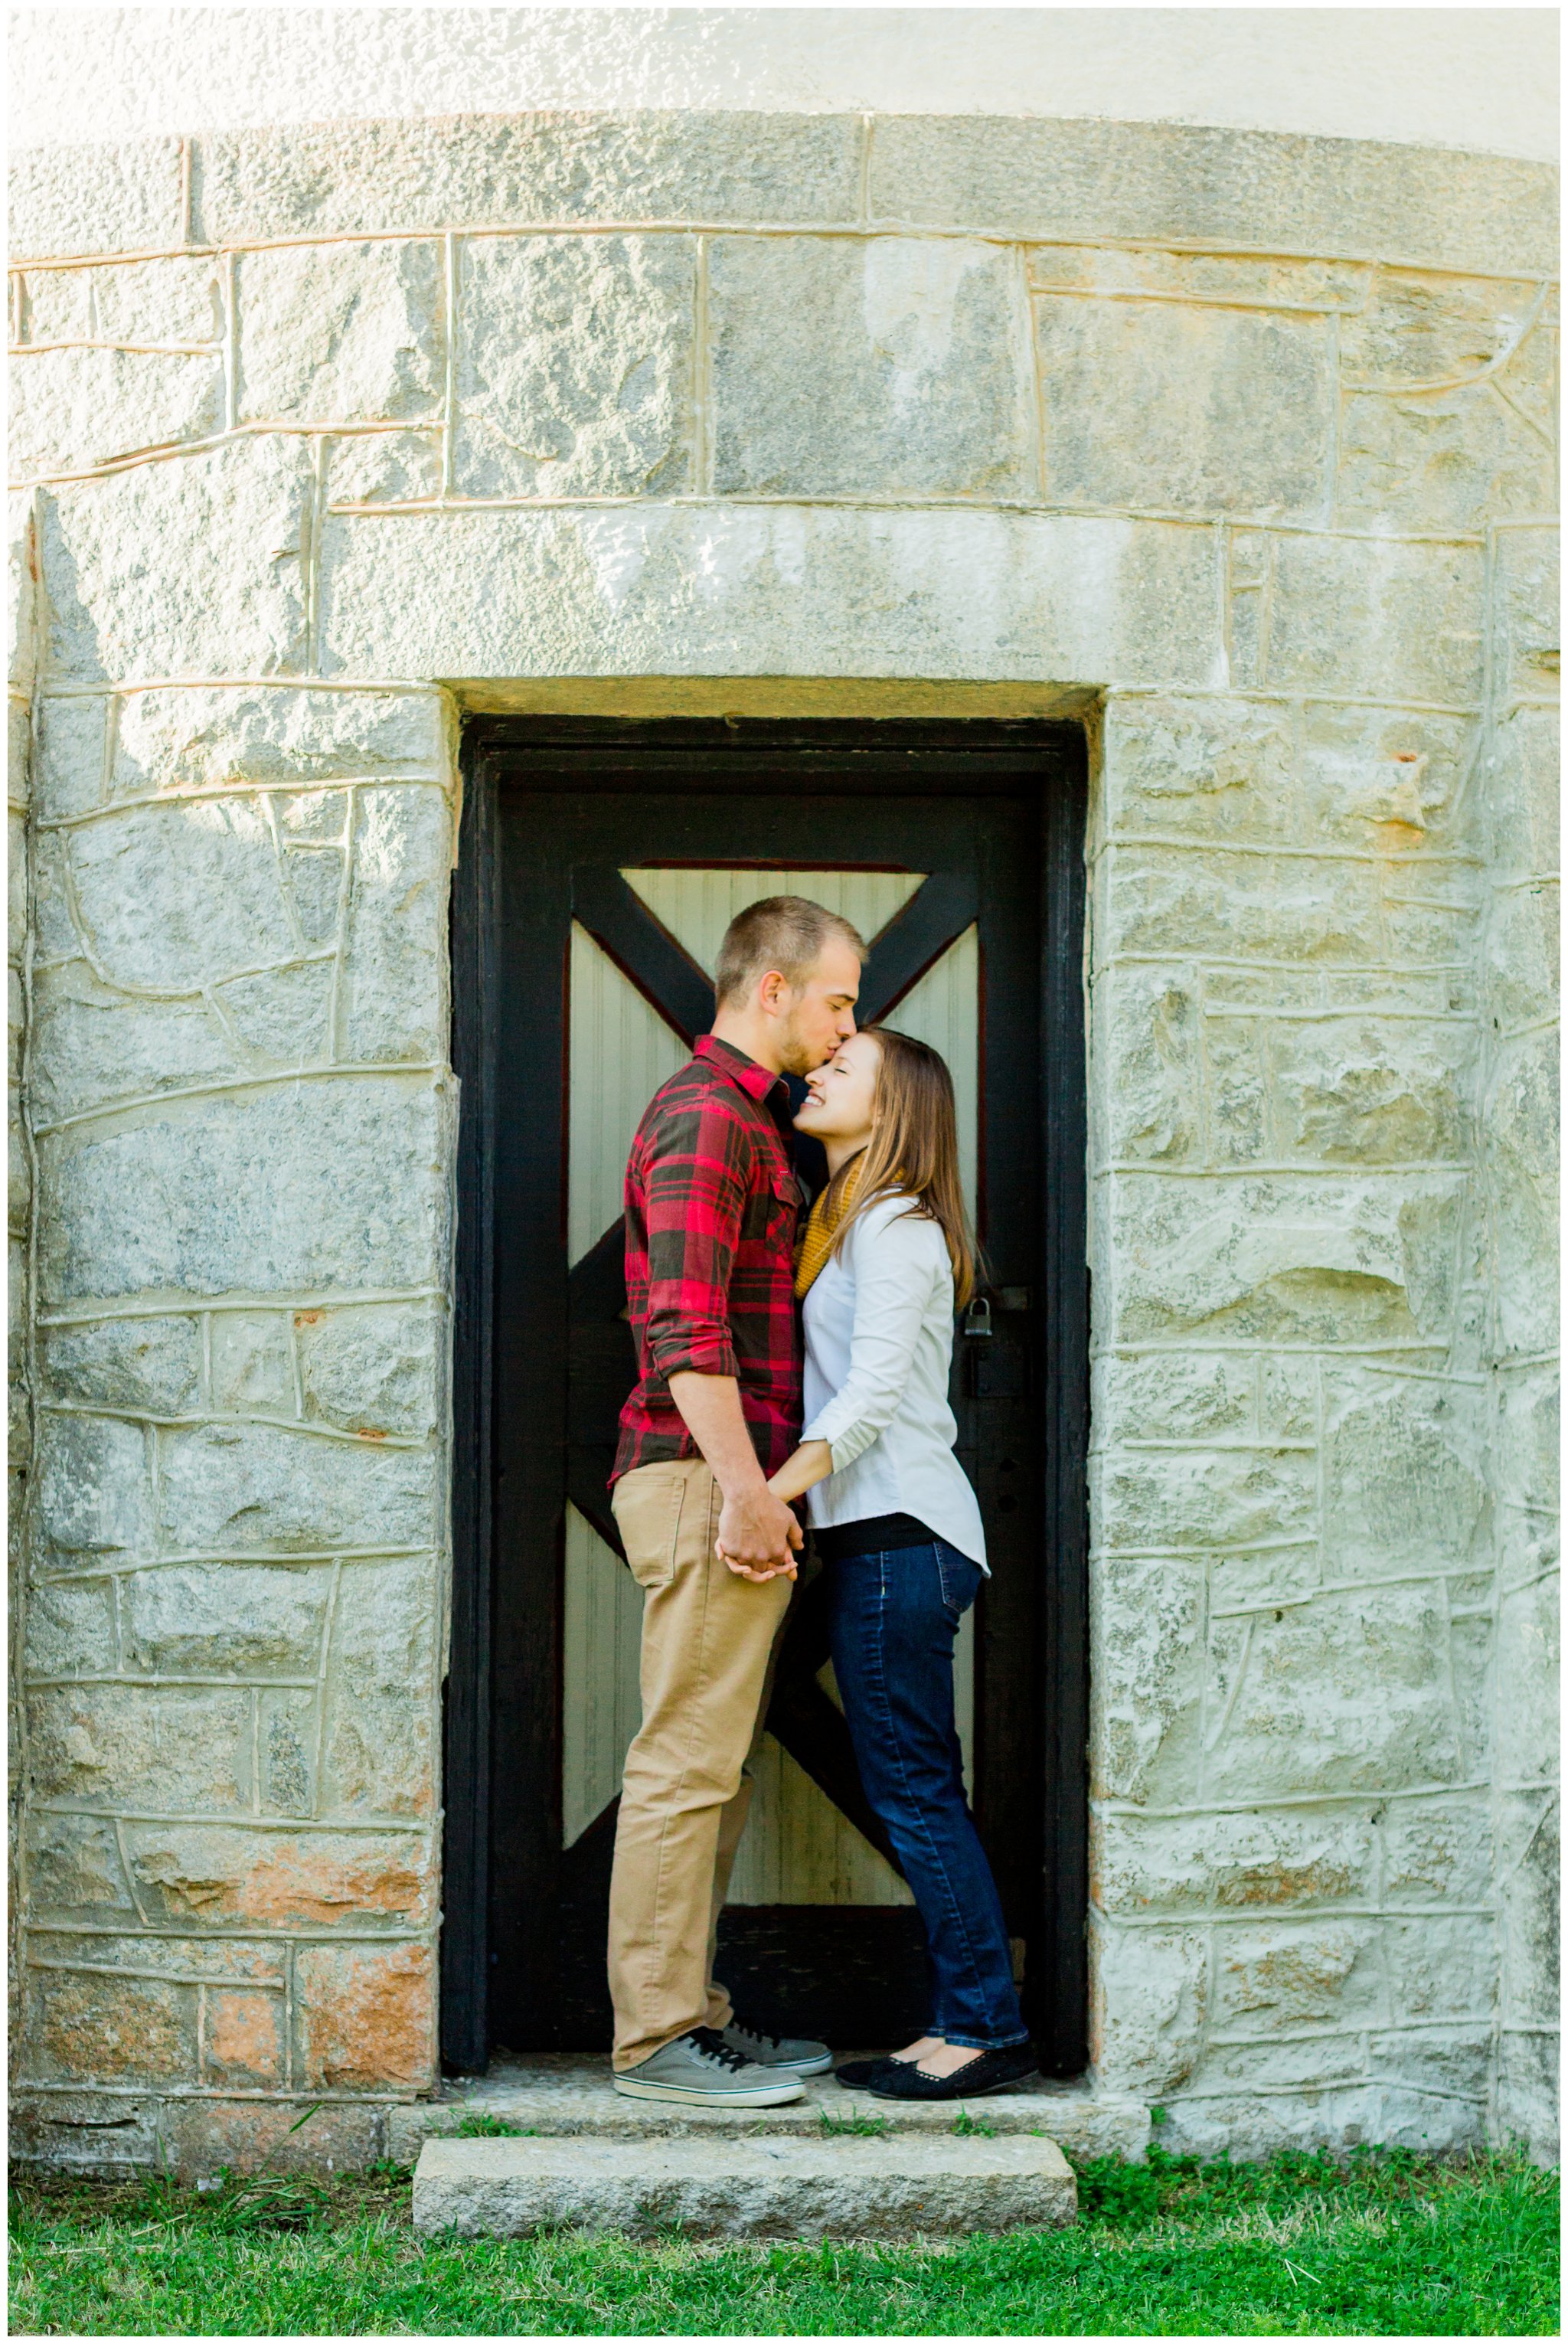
column 728, row 1426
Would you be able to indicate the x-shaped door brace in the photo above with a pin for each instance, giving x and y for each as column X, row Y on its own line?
column 800, row 1714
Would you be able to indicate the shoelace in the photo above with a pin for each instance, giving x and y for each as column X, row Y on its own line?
column 749, row 2034
column 712, row 2046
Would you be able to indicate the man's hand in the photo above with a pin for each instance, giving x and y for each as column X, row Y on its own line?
column 758, row 1537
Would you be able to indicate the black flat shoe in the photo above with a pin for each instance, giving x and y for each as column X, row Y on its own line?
column 993, row 2071
column 856, row 2074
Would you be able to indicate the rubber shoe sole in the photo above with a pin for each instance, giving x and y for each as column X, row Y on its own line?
column 770, row 2095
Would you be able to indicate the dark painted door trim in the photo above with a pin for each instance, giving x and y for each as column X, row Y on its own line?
column 491, row 962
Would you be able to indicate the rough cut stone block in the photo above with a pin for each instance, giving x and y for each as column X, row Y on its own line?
column 333, row 1183
column 1147, row 1044
column 235, row 600
column 244, row 2043
column 1527, row 1452
column 1529, row 1662
column 283, row 1016
column 1405, row 1486
column 1419, row 331
column 1148, row 1688
column 170, row 1748
column 1150, row 2002
column 252, row 1361
column 206, row 2136
column 93, row 2132
column 1179, row 902
column 567, row 2096
column 379, row 1369
column 1437, row 1850
column 1185, row 409
column 494, row 171
column 1372, row 1091
column 1271, row 1261
column 173, row 897
column 674, row 589
column 1442, row 1966
column 1200, row 1499
column 1351, row 1692
column 1451, row 459
column 93, row 1044
column 70, row 755
column 1529, row 2092
column 1239, row 190
column 1521, row 1136
column 1375, row 619
column 911, row 348
column 70, row 200
column 215, row 1619
column 141, row 1365
column 574, row 366
column 205, row 736
column 176, row 300
column 308, row 1877
column 1186, row 1394
column 378, row 1756
column 1521, row 952
column 1283, row 1975
column 81, row 2027
column 367, row 2016
column 1390, row 780
column 93, row 1496
column 71, row 409
column 776, row 2189
column 70, row 1630
column 1526, row 614
column 238, row 1487
column 75, row 1869
column 383, row 467
column 341, row 333
column 394, row 995
column 1521, row 787
column 1209, row 768
column 1233, row 1863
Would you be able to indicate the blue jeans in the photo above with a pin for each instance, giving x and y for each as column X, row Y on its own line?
column 893, row 1620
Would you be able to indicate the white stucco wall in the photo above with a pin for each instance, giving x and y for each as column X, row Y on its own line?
column 1484, row 79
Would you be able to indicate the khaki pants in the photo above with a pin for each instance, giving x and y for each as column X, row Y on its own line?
column 707, row 1639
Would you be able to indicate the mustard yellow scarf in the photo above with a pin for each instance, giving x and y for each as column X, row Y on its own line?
column 816, row 1239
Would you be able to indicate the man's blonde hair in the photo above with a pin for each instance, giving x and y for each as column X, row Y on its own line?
column 787, row 933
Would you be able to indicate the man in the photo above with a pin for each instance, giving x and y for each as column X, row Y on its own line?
column 711, row 1205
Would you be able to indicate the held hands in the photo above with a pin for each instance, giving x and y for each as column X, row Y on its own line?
column 758, row 1537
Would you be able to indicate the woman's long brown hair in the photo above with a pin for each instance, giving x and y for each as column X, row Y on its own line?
column 913, row 1150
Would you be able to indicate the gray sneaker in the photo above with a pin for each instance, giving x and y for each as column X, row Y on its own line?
column 797, row 2053
column 702, row 2068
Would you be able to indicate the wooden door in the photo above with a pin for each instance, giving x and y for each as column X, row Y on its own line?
column 606, row 861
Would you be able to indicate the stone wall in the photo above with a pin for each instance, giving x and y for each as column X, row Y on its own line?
column 1240, row 444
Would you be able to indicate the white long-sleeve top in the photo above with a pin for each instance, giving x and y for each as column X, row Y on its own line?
column 878, row 1346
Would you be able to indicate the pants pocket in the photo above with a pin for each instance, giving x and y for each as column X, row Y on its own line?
column 647, row 1505
column 959, row 1579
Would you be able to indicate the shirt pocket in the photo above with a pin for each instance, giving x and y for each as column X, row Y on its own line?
column 771, row 1212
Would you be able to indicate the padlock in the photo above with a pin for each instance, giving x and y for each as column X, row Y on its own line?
column 977, row 1317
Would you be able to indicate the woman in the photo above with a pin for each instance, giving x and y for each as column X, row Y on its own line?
column 885, row 1255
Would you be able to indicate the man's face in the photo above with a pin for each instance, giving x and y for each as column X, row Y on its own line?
column 819, row 1013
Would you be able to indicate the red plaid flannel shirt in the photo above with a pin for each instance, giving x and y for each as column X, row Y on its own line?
column 711, row 1205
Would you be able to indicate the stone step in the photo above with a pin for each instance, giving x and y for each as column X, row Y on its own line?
column 900, row 2186
column 570, row 2094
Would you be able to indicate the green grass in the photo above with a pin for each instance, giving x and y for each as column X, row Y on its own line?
column 1389, row 2245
